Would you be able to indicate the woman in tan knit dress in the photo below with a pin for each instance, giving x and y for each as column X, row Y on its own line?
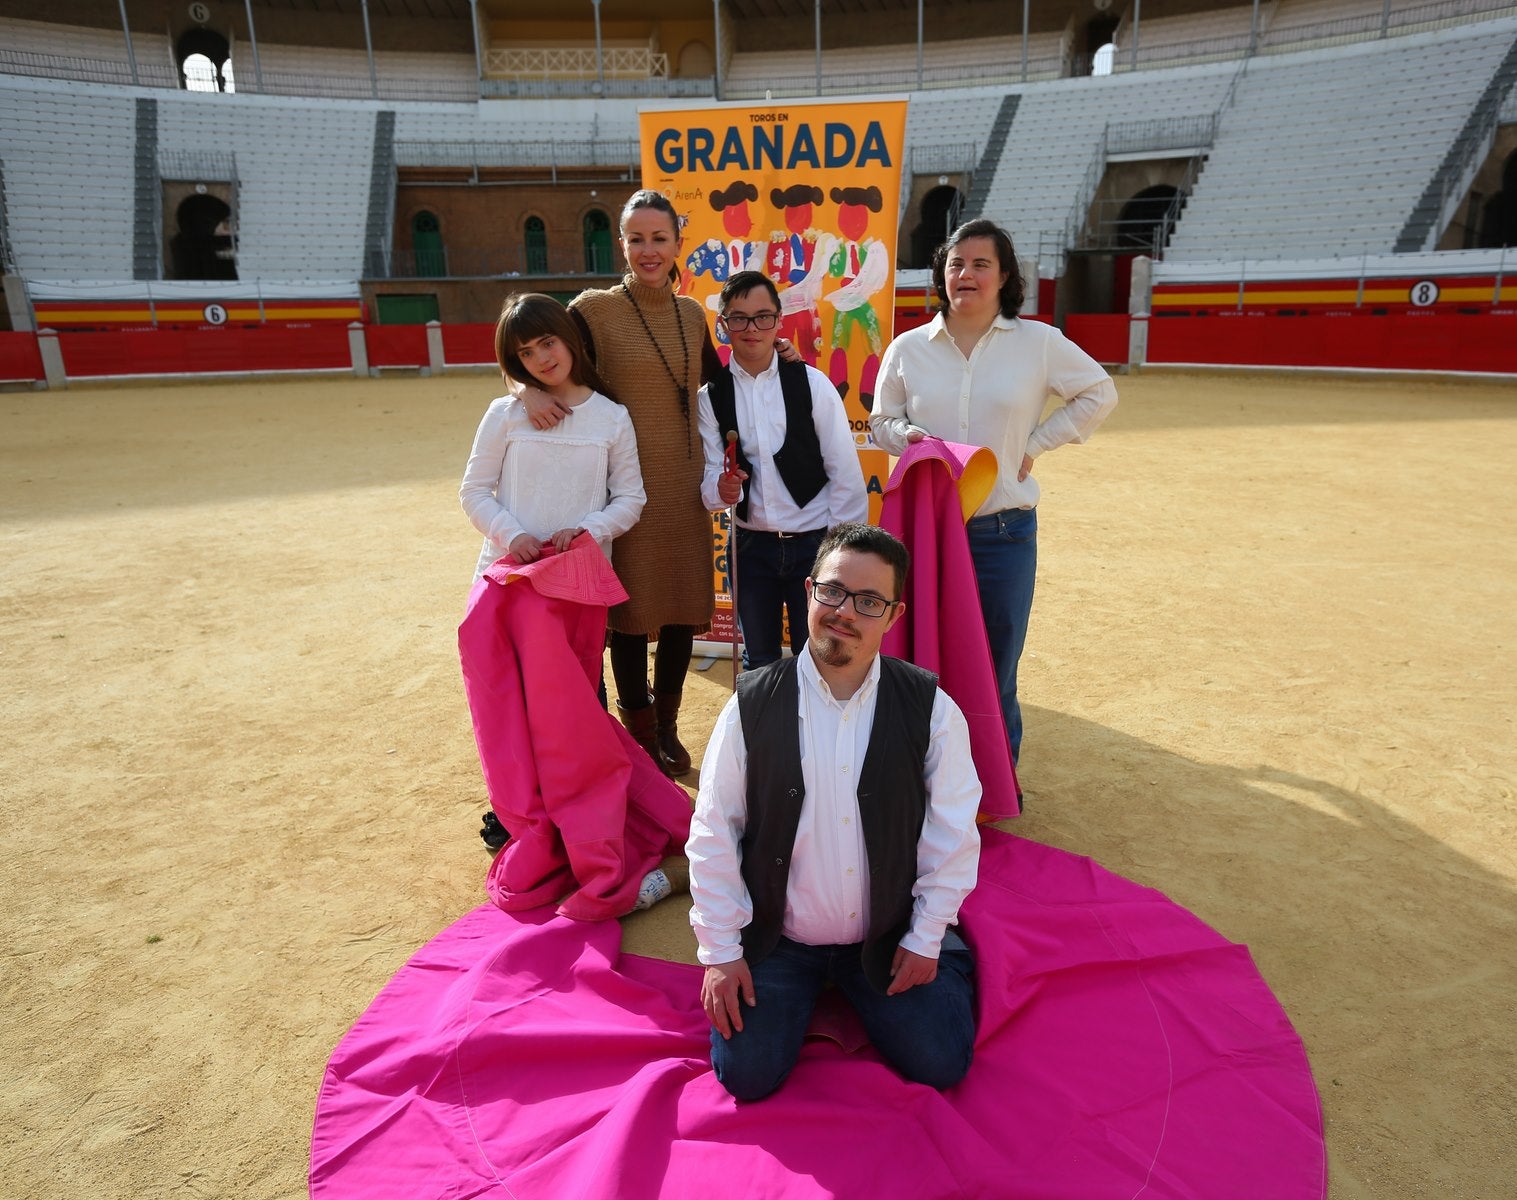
column 653, row 350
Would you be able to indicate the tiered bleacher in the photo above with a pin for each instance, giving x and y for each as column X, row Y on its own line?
column 1050, row 160
column 69, row 178
column 1328, row 153
column 314, row 175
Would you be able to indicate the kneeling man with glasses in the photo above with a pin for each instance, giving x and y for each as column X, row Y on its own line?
column 834, row 840
column 795, row 454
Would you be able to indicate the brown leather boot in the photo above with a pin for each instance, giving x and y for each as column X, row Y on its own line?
column 675, row 755
column 642, row 724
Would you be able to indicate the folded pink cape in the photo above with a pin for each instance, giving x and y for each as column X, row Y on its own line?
column 935, row 488
column 588, row 812
column 1124, row 1050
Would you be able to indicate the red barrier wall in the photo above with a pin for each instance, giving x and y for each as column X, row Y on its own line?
column 396, row 345
column 1103, row 336
column 464, row 344
column 1427, row 341
column 193, row 351
column 1483, row 341
column 19, row 357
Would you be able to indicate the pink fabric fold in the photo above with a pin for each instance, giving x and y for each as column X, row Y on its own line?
column 1124, row 1049
column 588, row 812
column 935, row 488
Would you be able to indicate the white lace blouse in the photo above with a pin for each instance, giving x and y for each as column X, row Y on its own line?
column 581, row 473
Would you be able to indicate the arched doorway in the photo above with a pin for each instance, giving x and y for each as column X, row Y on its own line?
column 695, row 61
column 1097, row 48
column 426, row 245
column 205, row 61
column 1143, row 225
column 597, row 226
column 202, row 246
column 939, row 209
column 1498, row 220
column 535, row 235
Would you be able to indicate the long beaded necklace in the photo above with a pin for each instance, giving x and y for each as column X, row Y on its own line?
column 681, row 382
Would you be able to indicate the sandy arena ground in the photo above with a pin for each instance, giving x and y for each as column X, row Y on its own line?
column 1270, row 673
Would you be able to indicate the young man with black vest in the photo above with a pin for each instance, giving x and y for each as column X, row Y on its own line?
column 834, row 840
column 796, row 455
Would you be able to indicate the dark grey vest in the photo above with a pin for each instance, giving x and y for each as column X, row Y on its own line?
column 799, row 460
column 892, row 796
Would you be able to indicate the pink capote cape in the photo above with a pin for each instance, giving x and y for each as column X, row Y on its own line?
column 1124, row 1050
column 933, row 491
column 588, row 812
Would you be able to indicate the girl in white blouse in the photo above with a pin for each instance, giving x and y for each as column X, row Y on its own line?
column 527, row 489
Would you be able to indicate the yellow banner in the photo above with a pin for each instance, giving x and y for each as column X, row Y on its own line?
column 809, row 194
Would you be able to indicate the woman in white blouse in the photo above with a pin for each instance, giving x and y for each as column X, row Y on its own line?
column 979, row 375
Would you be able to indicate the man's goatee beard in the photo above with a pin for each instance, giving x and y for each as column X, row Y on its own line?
column 831, row 651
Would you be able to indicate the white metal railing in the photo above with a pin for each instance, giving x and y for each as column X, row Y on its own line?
column 1161, row 133
column 219, row 165
column 621, row 153
column 84, row 70
column 1086, row 192
column 946, row 159
column 578, row 62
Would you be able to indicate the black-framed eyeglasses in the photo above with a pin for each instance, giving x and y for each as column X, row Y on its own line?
column 866, row 604
column 740, row 321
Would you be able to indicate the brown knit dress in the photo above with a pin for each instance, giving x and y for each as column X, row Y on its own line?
column 664, row 561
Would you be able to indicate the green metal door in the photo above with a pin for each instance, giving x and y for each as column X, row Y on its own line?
column 415, row 309
column 426, row 243
column 537, row 246
column 597, row 243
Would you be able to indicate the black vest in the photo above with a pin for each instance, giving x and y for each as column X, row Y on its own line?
column 892, row 795
column 799, row 460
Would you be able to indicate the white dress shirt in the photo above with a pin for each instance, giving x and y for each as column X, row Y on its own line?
column 827, row 902
column 760, row 405
column 582, row 473
column 993, row 398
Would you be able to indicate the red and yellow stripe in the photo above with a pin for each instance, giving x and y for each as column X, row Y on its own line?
column 61, row 314
column 1330, row 293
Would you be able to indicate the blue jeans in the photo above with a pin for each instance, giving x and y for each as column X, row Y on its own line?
column 1004, row 547
column 926, row 1033
column 771, row 579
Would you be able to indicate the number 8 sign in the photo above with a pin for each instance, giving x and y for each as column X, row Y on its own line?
column 1424, row 293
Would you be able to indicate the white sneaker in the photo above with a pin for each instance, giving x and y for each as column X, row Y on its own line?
column 656, row 887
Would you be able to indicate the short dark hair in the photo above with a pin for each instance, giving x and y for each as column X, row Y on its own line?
column 744, row 282
column 1012, row 291
column 527, row 316
column 867, row 539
